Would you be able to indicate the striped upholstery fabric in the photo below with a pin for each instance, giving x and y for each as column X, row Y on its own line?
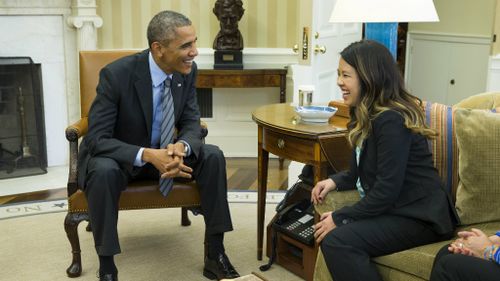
column 444, row 147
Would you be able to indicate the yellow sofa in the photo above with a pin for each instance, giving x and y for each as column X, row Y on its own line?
column 416, row 264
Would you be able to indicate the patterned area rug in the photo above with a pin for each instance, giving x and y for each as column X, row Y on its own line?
column 43, row 207
column 154, row 247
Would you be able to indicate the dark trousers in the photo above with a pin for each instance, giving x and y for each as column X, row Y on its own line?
column 347, row 249
column 105, row 180
column 456, row 267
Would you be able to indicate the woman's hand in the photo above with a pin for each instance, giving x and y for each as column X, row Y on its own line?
column 458, row 247
column 324, row 226
column 320, row 190
column 472, row 243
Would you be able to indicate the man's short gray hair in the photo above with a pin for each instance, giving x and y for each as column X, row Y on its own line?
column 162, row 27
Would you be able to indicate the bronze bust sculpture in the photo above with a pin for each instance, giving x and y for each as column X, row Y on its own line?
column 229, row 42
column 228, row 12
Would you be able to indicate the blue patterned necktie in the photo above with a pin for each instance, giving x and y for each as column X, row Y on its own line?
column 166, row 130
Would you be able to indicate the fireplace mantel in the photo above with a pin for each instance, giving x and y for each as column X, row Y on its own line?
column 52, row 32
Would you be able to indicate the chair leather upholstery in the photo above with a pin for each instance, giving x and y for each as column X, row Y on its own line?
column 142, row 194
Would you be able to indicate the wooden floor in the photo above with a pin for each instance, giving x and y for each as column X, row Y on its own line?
column 241, row 175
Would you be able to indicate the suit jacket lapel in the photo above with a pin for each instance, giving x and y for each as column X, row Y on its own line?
column 144, row 89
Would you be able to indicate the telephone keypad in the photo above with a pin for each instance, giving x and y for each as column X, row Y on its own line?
column 302, row 229
column 293, row 225
column 297, row 222
column 307, row 232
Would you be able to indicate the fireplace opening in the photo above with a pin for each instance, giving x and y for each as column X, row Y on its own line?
column 23, row 149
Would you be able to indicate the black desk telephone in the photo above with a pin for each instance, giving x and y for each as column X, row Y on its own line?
column 297, row 221
column 294, row 218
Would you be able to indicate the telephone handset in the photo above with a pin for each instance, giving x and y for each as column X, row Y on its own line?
column 297, row 221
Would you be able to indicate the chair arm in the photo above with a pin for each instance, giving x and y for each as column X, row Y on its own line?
column 335, row 200
column 73, row 133
column 77, row 130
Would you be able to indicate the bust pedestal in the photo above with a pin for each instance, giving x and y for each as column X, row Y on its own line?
column 228, row 59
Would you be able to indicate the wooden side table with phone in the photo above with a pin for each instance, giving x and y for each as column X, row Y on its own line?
column 282, row 133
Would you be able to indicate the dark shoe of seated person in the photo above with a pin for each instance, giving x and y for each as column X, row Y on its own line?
column 219, row 268
column 108, row 277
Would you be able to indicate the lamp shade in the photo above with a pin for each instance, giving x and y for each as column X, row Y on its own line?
column 346, row 11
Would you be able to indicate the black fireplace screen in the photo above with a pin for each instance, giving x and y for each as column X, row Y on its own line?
column 23, row 150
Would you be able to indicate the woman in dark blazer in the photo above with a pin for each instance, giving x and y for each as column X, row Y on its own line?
column 402, row 203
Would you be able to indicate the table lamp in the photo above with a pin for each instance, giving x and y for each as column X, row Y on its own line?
column 381, row 17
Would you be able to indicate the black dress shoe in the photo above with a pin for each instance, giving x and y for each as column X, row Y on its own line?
column 108, row 277
column 219, row 268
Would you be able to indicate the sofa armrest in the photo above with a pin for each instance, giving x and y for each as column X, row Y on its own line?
column 333, row 201
column 337, row 199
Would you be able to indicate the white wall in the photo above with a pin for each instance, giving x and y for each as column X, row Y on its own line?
column 465, row 17
column 41, row 38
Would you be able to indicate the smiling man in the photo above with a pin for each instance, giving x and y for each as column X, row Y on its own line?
column 140, row 100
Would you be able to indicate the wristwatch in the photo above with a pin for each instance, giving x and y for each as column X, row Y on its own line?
column 186, row 147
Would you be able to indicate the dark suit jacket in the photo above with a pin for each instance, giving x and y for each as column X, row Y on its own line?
column 120, row 118
column 398, row 176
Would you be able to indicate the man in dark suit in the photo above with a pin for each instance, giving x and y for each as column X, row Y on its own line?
column 126, row 132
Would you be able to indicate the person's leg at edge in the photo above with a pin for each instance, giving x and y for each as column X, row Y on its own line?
column 210, row 175
column 104, row 183
column 455, row 267
column 348, row 249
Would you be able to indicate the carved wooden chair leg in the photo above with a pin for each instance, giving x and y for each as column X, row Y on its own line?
column 71, row 223
column 184, row 217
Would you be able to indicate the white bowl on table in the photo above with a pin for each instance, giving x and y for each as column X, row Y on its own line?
column 315, row 114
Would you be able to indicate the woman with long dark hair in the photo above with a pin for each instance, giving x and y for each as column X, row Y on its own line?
column 402, row 203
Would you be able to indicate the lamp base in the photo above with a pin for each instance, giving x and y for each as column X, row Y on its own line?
column 228, row 59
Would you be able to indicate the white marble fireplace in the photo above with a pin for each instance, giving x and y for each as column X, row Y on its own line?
column 51, row 32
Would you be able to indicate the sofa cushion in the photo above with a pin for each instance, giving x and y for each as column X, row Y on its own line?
column 415, row 261
column 439, row 117
column 478, row 135
column 489, row 100
column 418, row 261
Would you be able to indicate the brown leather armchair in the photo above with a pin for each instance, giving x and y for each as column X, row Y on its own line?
column 139, row 194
